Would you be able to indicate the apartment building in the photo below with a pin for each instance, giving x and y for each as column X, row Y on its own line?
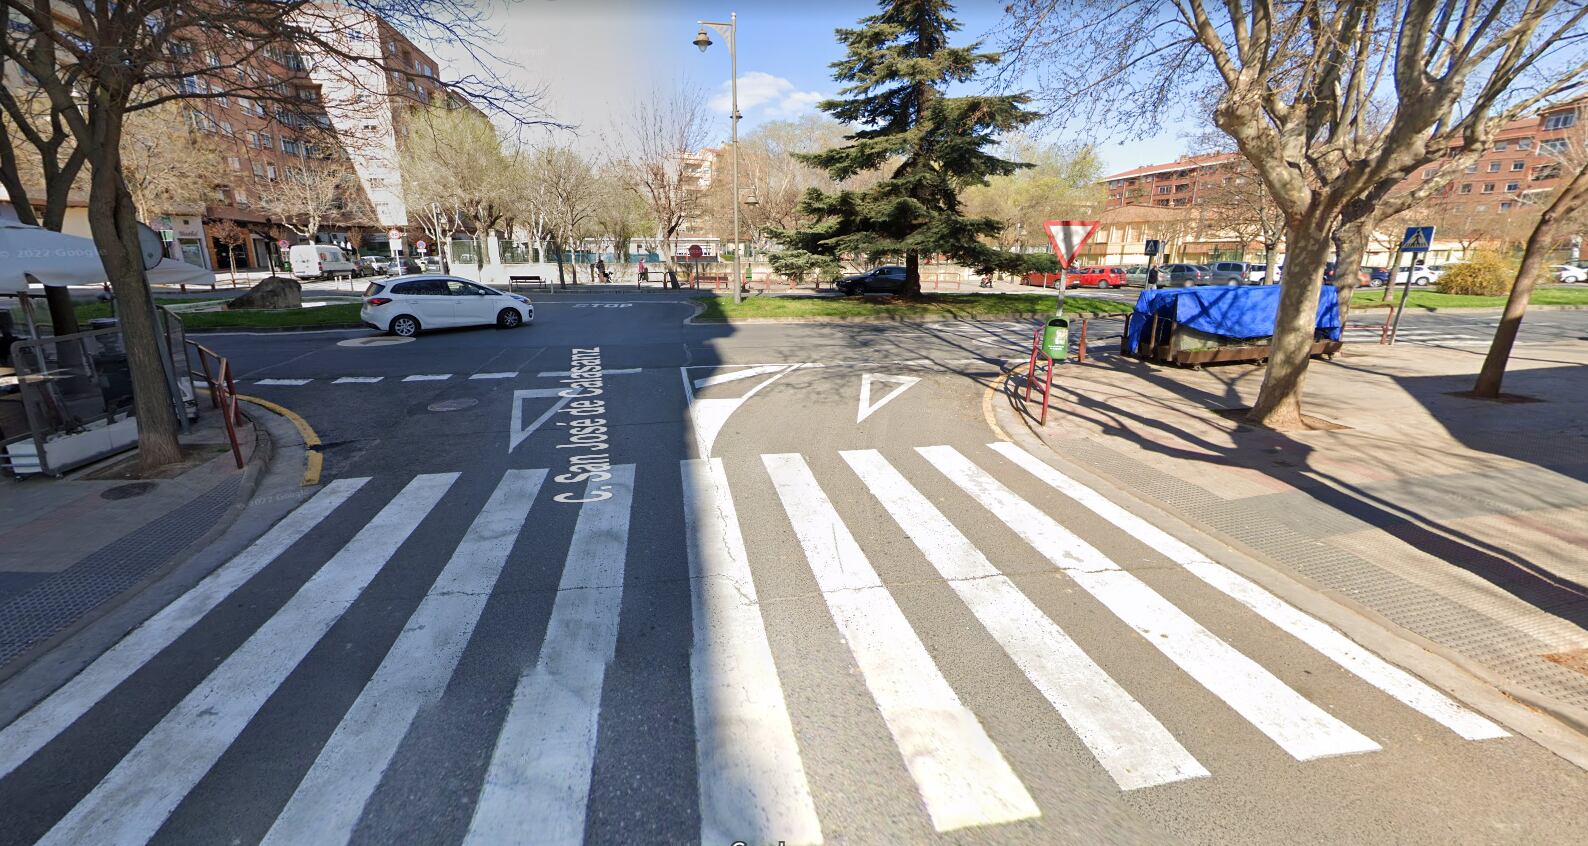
column 1166, row 185
column 1524, row 165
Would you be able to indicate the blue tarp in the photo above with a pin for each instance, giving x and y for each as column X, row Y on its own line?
column 1234, row 311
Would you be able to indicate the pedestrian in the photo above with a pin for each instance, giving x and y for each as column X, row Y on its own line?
column 639, row 281
column 601, row 269
column 1152, row 277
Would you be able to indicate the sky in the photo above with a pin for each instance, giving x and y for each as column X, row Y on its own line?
column 592, row 59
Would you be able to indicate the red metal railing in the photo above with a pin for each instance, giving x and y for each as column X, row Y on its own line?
column 1031, row 374
column 223, row 392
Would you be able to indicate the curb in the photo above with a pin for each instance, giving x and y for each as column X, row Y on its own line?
column 314, row 458
column 313, row 328
column 50, row 664
column 1559, row 728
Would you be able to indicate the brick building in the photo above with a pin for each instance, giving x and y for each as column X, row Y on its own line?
column 1166, row 185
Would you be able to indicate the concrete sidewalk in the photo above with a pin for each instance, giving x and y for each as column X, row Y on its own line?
column 72, row 548
column 1460, row 523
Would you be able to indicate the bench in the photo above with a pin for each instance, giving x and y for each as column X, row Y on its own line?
column 524, row 279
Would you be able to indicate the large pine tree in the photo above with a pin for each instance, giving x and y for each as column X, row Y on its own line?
column 897, row 71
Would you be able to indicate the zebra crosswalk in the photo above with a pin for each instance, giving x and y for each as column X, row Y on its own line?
column 753, row 780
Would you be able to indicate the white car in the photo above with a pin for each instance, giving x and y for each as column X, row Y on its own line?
column 1422, row 274
column 1570, row 273
column 405, row 305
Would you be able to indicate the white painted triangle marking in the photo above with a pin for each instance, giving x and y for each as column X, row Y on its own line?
column 867, row 407
column 735, row 375
column 518, row 432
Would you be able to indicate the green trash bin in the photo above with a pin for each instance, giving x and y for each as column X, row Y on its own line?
column 1056, row 338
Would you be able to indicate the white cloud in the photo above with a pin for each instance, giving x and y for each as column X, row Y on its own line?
column 772, row 96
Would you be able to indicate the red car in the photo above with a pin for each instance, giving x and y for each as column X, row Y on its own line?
column 1081, row 277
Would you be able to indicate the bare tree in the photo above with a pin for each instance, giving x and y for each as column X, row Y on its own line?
column 454, row 160
column 1062, row 182
column 307, row 195
column 95, row 63
column 1236, row 204
column 1334, row 103
column 564, row 190
column 1565, row 211
column 231, row 236
column 166, row 165
column 660, row 141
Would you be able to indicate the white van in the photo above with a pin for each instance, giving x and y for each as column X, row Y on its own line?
column 318, row 261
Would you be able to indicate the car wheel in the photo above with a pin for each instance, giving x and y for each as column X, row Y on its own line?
column 404, row 326
column 1103, row 284
column 509, row 318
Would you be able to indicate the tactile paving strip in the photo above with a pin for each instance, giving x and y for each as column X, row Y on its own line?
column 1497, row 645
column 59, row 600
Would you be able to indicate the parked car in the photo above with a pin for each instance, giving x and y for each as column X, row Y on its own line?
column 1235, row 272
column 1096, row 277
column 431, row 264
column 1136, row 274
column 1570, row 273
column 372, row 265
column 319, row 261
column 1182, row 275
column 887, row 279
column 1421, row 275
column 405, row 305
column 1257, row 274
column 403, row 265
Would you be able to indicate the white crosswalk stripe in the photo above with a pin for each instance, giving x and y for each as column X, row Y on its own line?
column 133, row 801
column 538, row 783
column 49, row 718
column 963, row 779
column 1342, row 650
column 1289, row 719
column 327, row 804
column 1135, row 748
column 756, row 776
column 752, row 781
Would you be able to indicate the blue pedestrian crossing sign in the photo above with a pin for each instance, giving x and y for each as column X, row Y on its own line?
column 1417, row 239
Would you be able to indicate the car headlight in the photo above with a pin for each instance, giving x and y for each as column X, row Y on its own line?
column 524, row 300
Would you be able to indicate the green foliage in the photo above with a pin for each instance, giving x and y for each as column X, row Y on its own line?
column 1061, row 184
column 798, row 265
column 1484, row 273
column 898, row 67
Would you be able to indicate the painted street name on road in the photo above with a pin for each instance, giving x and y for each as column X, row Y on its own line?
column 587, row 431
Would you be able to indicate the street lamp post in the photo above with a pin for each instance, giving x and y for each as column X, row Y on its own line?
column 729, row 30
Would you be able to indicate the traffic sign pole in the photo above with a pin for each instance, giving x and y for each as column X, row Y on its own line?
column 1418, row 239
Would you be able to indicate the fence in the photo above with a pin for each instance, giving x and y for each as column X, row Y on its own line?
column 67, row 399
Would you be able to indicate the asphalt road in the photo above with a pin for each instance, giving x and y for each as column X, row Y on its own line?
column 611, row 578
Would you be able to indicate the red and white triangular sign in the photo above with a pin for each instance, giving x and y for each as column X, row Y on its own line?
column 1068, row 236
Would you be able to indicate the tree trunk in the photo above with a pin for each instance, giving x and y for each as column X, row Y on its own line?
column 1351, row 242
column 1278, row 404
column 1534, row 261
column 1269, row 257
column 912, row 275
column 113, row 222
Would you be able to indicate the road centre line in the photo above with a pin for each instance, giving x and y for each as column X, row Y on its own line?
column 357, row 380
column 506, row 374
column 428, row 377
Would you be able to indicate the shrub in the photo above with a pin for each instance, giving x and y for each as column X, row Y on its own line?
column 797, row 265
column 1483, row 273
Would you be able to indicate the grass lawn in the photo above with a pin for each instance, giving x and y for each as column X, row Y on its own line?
column 1434, row 299
column 884, row 308
column 327, row 315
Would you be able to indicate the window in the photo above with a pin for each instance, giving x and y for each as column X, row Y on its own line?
column 1494, row 167
column 1519, row 165
column 1472, row 168
column 223, row 101
column 242, row 197
column 226, row 127
column 188, row 84
column 1560, row 120
column 212, row 58
column 253, row 140
column 1512, row 187
column 234, row 163
column 1480, row 208
column 1429, row 173
column 1506, row 206
column 1488, row 187
column 266, row 142
column 270, row 172
column 1549, row 171
column 1524, row 144
column 391, row 47
column 1467, row 188
column 290, row 145
column 1499, row 146
column 182, row 49
column 259, row 169
column 1554, row 145
column 1163, row 189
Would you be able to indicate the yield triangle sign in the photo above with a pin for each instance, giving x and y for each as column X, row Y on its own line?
column 867, row 407
column 1068, row 236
